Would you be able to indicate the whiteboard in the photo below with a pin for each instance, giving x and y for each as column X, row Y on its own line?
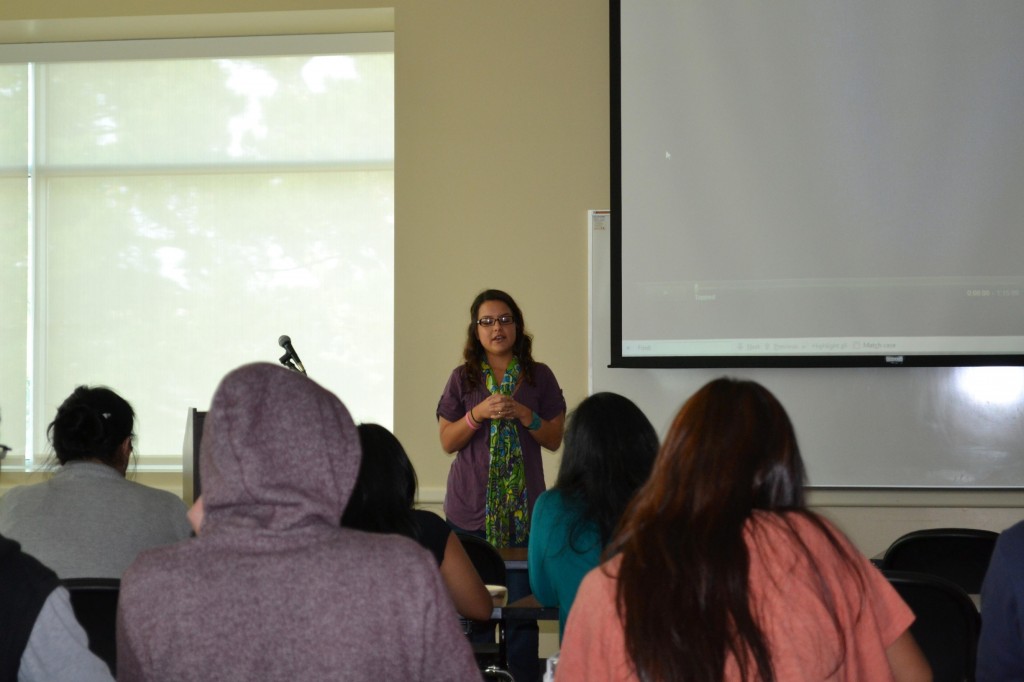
column 877, row 427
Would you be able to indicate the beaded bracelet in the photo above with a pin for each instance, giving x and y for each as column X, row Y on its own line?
column 536, row 423
column 470, row 424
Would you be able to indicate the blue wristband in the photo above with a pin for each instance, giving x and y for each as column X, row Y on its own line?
column 536, row 423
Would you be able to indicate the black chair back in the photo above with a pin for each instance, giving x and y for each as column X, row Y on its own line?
column 946, row 623
column 485, row 558
column 94, row 601
column 960, row 555
column 488, row 637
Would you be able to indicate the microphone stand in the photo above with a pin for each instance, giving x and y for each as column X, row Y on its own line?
column 286, row 360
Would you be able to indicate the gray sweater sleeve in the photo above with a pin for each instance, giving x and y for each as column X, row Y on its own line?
column 58, row 648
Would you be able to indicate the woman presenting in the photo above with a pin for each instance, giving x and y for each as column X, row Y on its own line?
column 497, row 411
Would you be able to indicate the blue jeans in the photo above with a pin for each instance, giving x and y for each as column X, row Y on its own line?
column 521, row 637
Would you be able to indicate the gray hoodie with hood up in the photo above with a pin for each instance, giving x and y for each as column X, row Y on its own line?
column 273, row 588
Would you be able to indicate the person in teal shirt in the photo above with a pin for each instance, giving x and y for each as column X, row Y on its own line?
column 610, row 446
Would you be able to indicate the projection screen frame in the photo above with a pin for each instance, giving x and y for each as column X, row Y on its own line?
column 618, row 359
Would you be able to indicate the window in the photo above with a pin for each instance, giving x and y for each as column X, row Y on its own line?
column 171, row 208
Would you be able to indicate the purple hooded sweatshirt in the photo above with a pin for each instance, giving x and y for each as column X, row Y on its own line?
column 273, row 588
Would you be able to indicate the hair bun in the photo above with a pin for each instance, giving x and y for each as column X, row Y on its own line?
column 80, row 429
column 91, row 424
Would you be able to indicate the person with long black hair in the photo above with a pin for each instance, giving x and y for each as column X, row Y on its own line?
column 610, row 447
column 719, row 570
column 383, row 502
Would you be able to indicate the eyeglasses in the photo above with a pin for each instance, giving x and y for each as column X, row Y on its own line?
column 4, row 450
column 503, row 320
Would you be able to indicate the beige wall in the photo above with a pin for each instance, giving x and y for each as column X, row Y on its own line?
column 502, row 133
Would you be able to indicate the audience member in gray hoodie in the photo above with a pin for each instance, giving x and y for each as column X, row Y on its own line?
column 272, row 588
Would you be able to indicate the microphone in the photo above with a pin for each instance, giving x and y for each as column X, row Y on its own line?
column 290, row 355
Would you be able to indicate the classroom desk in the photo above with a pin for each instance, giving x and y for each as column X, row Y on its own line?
column 514, row 558
column 527, row 608
column 523, row 609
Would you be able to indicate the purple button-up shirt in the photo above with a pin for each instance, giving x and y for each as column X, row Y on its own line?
column 465, row 495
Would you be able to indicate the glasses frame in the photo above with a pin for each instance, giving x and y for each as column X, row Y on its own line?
column 503, row 320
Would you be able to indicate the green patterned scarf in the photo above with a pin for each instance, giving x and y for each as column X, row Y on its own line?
column 506, row 521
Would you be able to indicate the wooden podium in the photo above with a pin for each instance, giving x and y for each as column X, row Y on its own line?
column 190, row 488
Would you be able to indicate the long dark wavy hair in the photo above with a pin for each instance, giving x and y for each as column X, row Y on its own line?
column 382, row 501
column 731, row 450
column 610, row 446
column 473, row 353
column 91, row 423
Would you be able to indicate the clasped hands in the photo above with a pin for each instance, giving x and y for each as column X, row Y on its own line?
column 497, row 406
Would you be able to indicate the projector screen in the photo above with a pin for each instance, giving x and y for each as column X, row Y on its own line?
column 817, row 183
